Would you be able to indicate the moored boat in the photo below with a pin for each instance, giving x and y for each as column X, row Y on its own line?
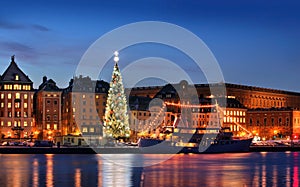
column 197, row 140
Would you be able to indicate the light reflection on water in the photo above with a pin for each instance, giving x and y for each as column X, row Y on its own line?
column 248, row 169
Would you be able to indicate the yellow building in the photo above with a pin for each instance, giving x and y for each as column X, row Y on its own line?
column 16, row 103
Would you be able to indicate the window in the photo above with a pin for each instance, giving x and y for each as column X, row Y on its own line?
column 17, row 105
column 48, row 126
column 2, row 105
column 17, row 77
column 83, row 96
column 2, row 96
column 25, row 96
column 18, row 96
column 55, row 127
column 2, row 123
column 8, row 105
column 265, row 121
column 55, row 102
column 272, row 121
column 48, row 118
column 84, row 129
column 279, row 121
column 92, row 129
column 25, row 115
column 250, row 121
column 9, row 96
column 25, row 124
column 287, row 121
column 25, row 105
column 9, row 124
column 48, row 101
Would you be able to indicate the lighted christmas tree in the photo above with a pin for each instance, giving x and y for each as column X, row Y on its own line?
column 116, row 124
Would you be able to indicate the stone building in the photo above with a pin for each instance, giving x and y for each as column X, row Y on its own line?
column 274, row 123
column 48, row 110
column 83, row 107
column 16, row 100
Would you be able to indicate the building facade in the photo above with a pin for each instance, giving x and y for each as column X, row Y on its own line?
column 16, row 100
column 83, row 107
column 48, row 110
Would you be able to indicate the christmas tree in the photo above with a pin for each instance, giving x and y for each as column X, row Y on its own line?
column 116, row 124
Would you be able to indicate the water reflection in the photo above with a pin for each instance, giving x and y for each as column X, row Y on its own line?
column 49, row 170
column 251, row 169
column 35, row 173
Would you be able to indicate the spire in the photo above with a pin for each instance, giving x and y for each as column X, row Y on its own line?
column 13, row 58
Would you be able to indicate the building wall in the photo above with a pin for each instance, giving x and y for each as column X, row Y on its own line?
column 16, row 110
column 270, row 123
column 48, row 114
column 83, row 112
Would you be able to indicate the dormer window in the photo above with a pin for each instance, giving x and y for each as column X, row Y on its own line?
column 17, row 77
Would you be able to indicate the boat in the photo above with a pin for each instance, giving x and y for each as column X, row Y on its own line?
column 197, row 140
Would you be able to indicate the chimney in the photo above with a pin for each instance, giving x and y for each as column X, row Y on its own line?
column 44, row 79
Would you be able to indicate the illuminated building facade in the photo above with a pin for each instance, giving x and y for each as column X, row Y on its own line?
column 48, row 110
column 83, row 107
column 16, row 100
column 274, row 123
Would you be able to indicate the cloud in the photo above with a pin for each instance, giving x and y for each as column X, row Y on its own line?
column 9, row 25
column 40, row 27
column 15, row 46
column 15, row 26
column 20, row 50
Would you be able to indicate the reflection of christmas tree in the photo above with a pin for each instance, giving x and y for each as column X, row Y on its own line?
column 116, row 123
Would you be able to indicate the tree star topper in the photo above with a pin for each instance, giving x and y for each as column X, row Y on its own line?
column 116, row 58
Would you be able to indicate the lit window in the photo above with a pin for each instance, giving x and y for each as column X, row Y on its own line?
column 97, row 96
column 48, row 126
column 25, row 124
column 234, row 113
column 25, row 105
column 9, row 96
column 25, row 115
column 17, row 95
column 83, row 96
column 2, row 105
column 2, row 123
column 17, row 77
column 25, row 96
column 9, row 123
column 8, row 105
column 55, row 127
column 2, row 96
column 17, row 105
column 84, row 129
column 92, row 129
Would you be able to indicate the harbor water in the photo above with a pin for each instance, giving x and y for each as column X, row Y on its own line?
column 238, row 169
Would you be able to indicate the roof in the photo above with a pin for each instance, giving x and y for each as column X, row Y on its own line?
column 48, row 85
column 10, row 74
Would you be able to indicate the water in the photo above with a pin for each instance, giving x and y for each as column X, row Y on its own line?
column 247, row 169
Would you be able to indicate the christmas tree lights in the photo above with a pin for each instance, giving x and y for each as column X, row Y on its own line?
column 116, row 123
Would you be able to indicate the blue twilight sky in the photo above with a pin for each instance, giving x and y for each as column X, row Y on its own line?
column 255, row 42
